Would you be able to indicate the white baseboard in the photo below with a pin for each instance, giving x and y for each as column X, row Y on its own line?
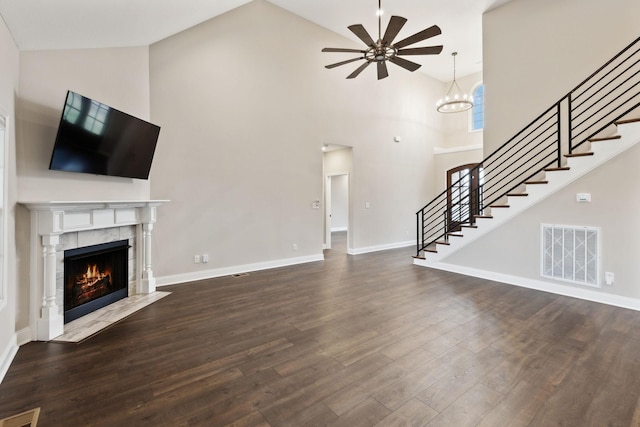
column 554, row 288
column 7, row 357
column 368, row 249
column 236, row 269
column 23, row 336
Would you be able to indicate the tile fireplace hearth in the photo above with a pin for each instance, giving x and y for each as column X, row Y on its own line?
column 57, row 227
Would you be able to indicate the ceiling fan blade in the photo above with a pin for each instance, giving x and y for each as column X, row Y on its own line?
column 382, row 70
column 337, row 49
column 358, row 70
column 430, row 50
column 408, row 65
column 418, row 37
column 362, row 34
column 337, row 64
column 395, row 25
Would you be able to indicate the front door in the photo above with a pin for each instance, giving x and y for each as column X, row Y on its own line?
column 464, row 195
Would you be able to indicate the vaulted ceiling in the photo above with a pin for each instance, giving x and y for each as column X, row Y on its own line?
column 71, row 24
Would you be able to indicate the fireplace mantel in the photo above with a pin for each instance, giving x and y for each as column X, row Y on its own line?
column 51, row 219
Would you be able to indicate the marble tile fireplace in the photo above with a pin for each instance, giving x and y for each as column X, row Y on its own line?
column 62, row 230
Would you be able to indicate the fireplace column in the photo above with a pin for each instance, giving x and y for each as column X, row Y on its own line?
column 148, row 283
column 50, row 323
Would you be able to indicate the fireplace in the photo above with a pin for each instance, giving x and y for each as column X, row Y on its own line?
column 94, row 277
column 57, row 226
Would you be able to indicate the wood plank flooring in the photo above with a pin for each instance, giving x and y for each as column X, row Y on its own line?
column 352, row 341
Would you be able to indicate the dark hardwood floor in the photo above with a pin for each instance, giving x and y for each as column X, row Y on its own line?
column 352, row 341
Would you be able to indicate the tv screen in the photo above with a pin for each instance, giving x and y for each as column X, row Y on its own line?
column 97, row 139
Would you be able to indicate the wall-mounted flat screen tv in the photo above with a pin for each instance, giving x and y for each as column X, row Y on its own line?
column 97, row 139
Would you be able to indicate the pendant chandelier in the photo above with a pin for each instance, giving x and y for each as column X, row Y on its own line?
column 454, row 101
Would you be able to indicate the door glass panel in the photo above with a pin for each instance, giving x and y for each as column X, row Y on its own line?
column 463, row 195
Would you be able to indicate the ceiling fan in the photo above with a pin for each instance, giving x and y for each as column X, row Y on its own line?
column 384, row 49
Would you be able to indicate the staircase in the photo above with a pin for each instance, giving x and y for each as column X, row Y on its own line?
column 596, row 121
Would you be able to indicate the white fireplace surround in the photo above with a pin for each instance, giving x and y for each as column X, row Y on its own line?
column 50, row 220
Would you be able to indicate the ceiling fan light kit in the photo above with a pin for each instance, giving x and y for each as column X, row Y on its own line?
column 384, row 49
column 455, row 100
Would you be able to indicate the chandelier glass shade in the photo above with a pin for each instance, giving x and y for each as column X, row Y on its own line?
column 455, row 100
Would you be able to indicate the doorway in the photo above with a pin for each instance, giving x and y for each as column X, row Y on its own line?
column 336, row 165
column 337, row 211
column 464, row 195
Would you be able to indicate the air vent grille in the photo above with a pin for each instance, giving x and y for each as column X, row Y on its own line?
column 571, row 253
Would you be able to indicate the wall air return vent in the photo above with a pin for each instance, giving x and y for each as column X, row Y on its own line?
column 571, row 254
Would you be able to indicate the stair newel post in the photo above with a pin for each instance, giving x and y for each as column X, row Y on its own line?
column 418, row 226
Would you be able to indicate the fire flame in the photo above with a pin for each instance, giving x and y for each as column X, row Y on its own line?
column 93, row 273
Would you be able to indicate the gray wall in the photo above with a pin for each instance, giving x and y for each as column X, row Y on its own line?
column 553, row 47
column 246, row 104
column 538, row 50
column 514, row 248
column 117, row 77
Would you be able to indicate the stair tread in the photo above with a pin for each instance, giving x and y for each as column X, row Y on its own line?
column 469, row 226
column 605, row 138
column 536, row 182
column 499, row 206
column 517, row 194
column 625, row 121
column 455, row 234
column 419, row 257
column 483, row 216
column 589, row 153
column 563, row 168
column 442, row 242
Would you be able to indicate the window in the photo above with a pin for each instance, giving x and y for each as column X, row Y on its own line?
column 98, row 113
column 74, row 105
column 477, row 112
column 94, row 118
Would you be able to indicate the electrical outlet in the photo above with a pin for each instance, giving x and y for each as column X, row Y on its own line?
column 609, row 278
column 295, row 247
column 205, row 258
column 196, row 259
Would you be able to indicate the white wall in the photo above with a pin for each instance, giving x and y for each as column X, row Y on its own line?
column 117, row 77
column 9, row 69
column 536, row 51
column 246, row 105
